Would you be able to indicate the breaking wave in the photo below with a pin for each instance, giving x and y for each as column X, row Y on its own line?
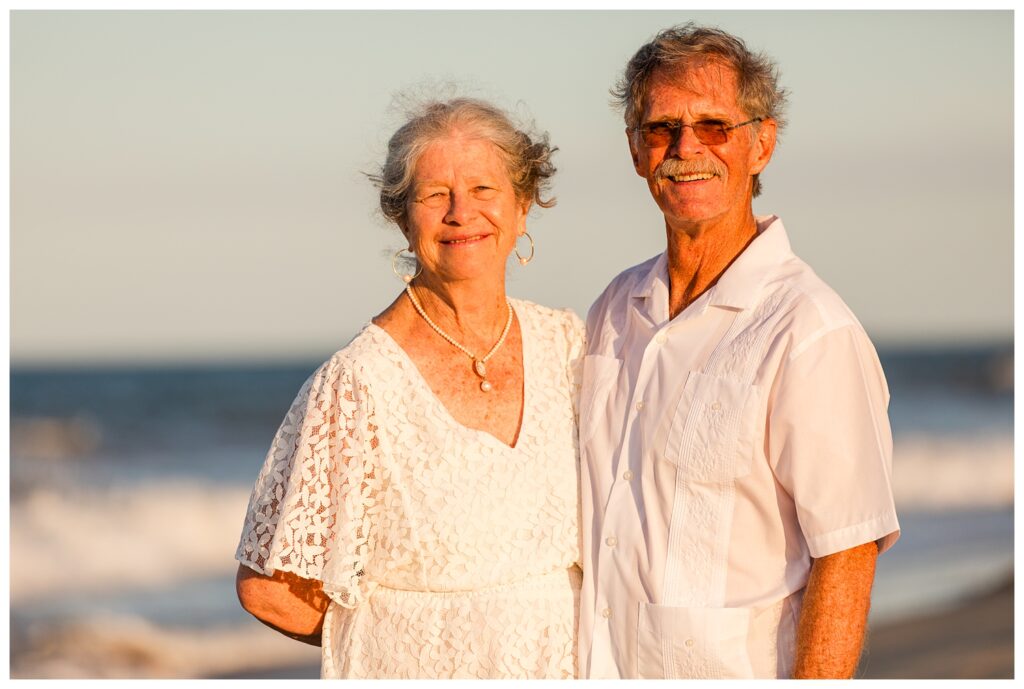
column 124, row 537
column 953, row 473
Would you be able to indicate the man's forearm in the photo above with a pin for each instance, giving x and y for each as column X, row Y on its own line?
column 835, row 613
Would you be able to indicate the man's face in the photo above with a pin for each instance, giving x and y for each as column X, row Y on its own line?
column 698, row 185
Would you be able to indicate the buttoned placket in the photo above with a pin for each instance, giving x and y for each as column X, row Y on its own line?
column 621, row 487
column 650, row 311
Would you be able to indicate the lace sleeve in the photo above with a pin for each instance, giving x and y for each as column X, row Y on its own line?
column 576, row 337
column 575, row 333
column 309, row 511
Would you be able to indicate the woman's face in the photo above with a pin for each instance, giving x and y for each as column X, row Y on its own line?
column 462, row 217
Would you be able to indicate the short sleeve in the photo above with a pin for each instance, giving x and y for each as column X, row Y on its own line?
column 309, row 510
column 575, row 333
column 830, row 444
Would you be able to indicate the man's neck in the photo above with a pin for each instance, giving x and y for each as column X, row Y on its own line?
column 699, row 255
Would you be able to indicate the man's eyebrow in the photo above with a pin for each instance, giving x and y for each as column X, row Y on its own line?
column 712, row 115
column 703, row 117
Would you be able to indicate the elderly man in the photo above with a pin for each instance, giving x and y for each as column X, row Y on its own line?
column 736, row 490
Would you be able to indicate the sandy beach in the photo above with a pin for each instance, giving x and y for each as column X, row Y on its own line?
column 973, row 640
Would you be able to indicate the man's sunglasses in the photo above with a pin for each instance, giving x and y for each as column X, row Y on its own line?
column 708, row 132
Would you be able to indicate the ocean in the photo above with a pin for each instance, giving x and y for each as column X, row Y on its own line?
column 128, row 489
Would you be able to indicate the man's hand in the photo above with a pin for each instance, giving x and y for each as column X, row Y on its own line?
column 835, row 613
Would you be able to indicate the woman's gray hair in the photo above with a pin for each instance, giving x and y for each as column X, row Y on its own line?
column 527, row 156
column 689, row 45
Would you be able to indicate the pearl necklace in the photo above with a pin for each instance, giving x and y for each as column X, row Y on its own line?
column 479, row 365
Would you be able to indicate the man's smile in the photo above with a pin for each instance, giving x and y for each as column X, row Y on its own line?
column 690, row 177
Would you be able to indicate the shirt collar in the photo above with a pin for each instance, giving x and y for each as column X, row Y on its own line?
column 740, row 285
column 656, row 276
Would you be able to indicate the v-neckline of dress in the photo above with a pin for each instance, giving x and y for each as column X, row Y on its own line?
column 527, row 356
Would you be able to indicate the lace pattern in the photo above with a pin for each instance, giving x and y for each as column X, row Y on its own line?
column 310, row 516
column 372, row 487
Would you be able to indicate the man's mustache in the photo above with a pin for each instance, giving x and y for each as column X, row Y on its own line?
column 674, row 167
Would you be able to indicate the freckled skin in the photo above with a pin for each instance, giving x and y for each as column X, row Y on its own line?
column 284, row 602
column 835, row 613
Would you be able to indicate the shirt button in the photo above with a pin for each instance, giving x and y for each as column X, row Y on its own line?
column 689, row 643
column 606, row 613
column 716, row 405
column 611, row 541
column 627, row 475
column 640, row 405
column 662, row 338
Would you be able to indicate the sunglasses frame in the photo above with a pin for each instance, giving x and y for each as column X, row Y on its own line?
column 676, row 127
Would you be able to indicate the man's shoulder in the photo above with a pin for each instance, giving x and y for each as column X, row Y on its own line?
column 812, row 307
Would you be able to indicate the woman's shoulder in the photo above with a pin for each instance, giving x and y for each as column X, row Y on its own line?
column 546, row 314
column 548, row 322
column 366, row 352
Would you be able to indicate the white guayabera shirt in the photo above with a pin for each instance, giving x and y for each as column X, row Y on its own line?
column 723, row 450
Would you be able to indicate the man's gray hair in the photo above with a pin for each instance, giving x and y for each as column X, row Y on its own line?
column 689, row 45
column 527, row 156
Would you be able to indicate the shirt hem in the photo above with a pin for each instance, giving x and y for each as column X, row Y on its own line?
column 884, row 529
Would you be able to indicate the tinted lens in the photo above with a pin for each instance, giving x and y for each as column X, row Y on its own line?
column 664, row 133
column 659, row 133
column 710, row 133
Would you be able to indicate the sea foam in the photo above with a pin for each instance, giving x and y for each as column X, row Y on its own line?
column 130, row 536
column 952, row 473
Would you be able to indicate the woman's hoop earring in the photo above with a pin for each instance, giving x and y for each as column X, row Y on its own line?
column 405, row 277
column 524, row 261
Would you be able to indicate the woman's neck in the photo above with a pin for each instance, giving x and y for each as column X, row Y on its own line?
column 474, row 312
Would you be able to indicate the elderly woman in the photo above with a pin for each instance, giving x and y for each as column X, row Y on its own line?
column 417, row 513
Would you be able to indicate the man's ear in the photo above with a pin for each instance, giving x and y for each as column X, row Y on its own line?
column 634, row 151
column 764, row 146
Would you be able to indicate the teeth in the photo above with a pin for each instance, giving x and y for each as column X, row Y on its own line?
column 691, row 178
column 462, row 241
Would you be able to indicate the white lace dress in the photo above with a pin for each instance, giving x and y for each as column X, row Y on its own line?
column 445, row 552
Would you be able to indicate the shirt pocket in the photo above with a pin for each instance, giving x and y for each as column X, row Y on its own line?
column 600, row 373
column 679, row 643
column 714, row 429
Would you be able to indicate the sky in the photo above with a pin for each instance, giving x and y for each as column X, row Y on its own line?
column 189, row 186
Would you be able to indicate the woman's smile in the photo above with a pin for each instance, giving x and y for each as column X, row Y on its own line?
column 464, row 241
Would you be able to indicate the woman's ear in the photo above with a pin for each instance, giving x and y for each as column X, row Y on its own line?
column 524, row 211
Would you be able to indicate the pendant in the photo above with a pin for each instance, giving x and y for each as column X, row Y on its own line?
column 485, row 385
column 479, row 367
